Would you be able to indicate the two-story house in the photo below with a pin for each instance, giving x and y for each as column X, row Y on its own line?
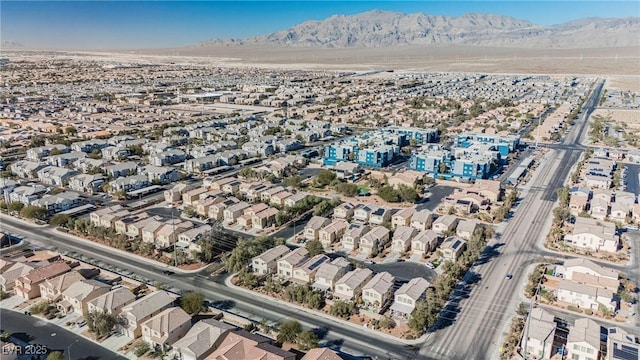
column 378, row 291
column 139, row 311
column 349, row 287
column 267, row 262
column 407, row 296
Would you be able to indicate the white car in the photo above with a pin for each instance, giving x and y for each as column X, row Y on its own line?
column 430, row 265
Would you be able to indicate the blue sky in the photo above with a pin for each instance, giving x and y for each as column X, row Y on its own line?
column 155, row 24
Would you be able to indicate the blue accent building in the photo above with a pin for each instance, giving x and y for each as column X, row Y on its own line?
column 503, row 143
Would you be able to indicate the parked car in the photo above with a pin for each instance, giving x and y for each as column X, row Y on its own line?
column 509, row 276
column 81, row 324
column 429, row 265
column 369, row 262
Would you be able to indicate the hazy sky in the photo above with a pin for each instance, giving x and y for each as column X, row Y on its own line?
column 154, row 24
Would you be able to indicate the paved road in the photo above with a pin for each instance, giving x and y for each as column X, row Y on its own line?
column 349, row 339
column 478, row 311
column 633, row 178
column 39, row 332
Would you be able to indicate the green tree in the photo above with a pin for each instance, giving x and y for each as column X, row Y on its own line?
column 347, row 189
column 100, row 322
column 388, row 194
column 342, row 309
column 314, row 247
column 192, row 302
column 55, row 355
column 141, row 348
column 522, row 310
column 407, row 193
column 288, row 331
column 60, row 220
column 307, row 340
column 294, row 181
column 209, row 247
column 324, row 177
column 33, row 212
column 15, row 206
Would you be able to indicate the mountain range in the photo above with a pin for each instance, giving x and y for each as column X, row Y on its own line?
column 378, row 28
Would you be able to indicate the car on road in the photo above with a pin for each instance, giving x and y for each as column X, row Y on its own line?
column 509, row 276
column 429, row 265
column 399, row 260
column 168, row 272
column 369, row 262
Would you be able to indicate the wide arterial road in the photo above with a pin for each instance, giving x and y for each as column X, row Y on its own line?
column 343, row 337
column 471, row 325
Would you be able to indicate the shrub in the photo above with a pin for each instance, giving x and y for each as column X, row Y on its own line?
column 573, row 308
column 40, row 307
column 141, row 348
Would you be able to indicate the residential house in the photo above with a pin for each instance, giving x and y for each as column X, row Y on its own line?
column 28, row 286
column 51, row 289
column 622, row 345
column 150, row 231
column 407, row 296
column 231, row 187
column 596, row 235
column 315, row 224
column 56, row 176
column 466, row 228
column 329, row 273
column 165, row 328
column 9, row 275
column 139, row 311
column 425, row 241
column 216, row 211
column 378, row 291
column 288, row 262
column 191, row 195
column 240, row 344
column 402, row 237
column 77, row 296
column 620, row 211
column 321, row 354
column 59, row 202
column 203, row 338
column 332, row 232
column 123, row 169
column 267, row 262
column 64, row 160
column 88, row 183
column 541, row 334
column 583, row 341
column 97, row 216
column 264, row 218
column 40, row 152
column 344, row 211
column 134, row 230
column 363, row 212
column 233, row 212
column 585, row 271
column 374, row 241
column 89, row 145
column 349, row 287
column 160, row 174
column 174, row 194
column 167, row 235
column 599, row 208
column 279, row 198
column 129, row 183
column 452, row 248
column 112, row 302
column 26, row 169
column 585, row 296
column 380, row 215
column 445, row 223
column 578, row 204
column 353, row 233
column 265, row 195
column 27, row 195
column 422, row 219
column 295, row 199
column 402, row 217
column 305, row 272
column 169, row 157
column 189, row 239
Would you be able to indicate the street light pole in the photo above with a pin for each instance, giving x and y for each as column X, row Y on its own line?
column 69, row 349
